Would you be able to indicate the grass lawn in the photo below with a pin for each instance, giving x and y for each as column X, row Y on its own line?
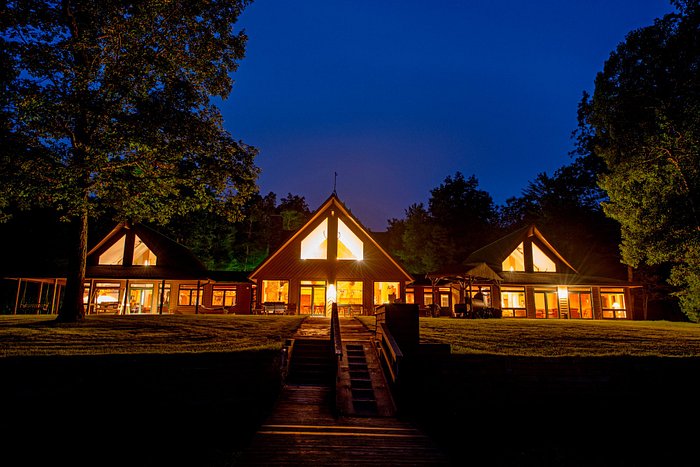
column 137, row 390
column 558, row 338
column 191, row 390
column 101, row 335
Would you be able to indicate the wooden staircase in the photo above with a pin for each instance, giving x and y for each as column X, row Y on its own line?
column 311, row 363
column 364, row 401
column 324, row 418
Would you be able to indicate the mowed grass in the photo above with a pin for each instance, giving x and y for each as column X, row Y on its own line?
column 167, row 334
column 558, row 338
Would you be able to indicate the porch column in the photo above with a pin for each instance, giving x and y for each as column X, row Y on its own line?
column 91, row 297
column 53, row 297
column 19, row 286
column 38, row 301
column 196, row 299
column 124, row 300
column 162, row 297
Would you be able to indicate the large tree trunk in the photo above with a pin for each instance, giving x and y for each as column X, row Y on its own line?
column 73, row 309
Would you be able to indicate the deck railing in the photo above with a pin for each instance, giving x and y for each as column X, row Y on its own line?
column 389, row 350
column 335, row 333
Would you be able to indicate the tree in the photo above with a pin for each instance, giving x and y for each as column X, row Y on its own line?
column 294, row 211
column 567, row 206
column 413, row 240
column 643, row 121
column 465, row 213
column 112, row 102
column 459, row 219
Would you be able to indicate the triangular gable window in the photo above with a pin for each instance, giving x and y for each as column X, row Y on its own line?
column 315, row 245
column 143, row 256
column 114, row 254
column 349, row 246
column 515, row 261
column 541, row 262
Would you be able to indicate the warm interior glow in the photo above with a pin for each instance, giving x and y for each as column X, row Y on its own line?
column 315, row 245
column 515, row 261
column 349, row 292
column 107, row 299
column 385, row 292
column 541, row 262
column 275, row 291
column 349, row 246
column 114, row 254
column 143, row 256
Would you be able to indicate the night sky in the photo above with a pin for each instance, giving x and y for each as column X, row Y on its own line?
column 395, row 96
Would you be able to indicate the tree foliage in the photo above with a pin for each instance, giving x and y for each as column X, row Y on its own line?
column 111, row 102
column 459, row 218
column 567, row 207
column 643, row 122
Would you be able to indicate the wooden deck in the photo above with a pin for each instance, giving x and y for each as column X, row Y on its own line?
column 318, row 426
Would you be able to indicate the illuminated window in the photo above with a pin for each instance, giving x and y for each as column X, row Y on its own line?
column 513, row 302
column 349, row 246
column 515, row 261
column 223, row 296
column 275, row 291
column 427, row 296
column 410, row 297
column 613, row 303
column 141, row 298
column 114, row 254
column 541, row 262
column 312, row 297
column 86, row 292
column 143, row 256
column 349, row 292
column 106, row 296
column 385, row 292
column 546, row 304
column 164, row 298
column 315, row 245
column 188, row 295
column 580, row 303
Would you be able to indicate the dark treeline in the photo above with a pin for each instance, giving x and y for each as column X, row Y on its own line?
column 38, row 238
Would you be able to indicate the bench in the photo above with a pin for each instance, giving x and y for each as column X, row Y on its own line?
column 274, row 308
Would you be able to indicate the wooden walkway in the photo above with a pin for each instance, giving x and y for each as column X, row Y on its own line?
column 306, row 428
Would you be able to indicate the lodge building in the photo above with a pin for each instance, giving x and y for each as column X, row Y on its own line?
column 333, row 258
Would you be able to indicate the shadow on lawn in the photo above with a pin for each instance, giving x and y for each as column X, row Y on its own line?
column 136, row 410
column 509, row 411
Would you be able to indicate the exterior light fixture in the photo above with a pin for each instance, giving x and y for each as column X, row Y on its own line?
column 331, row 295
column 562, row 292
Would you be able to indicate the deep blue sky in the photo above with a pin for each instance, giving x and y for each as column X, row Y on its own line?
column 397, row 95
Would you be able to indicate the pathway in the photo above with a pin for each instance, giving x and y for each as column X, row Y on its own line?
column 306, row 428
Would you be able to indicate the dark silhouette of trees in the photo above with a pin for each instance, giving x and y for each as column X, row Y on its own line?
column 643, row 122
column 110, row 102
column 566, row 207
column 460, row 218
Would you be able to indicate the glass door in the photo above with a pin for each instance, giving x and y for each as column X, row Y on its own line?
column 312, row 298
column 546, row 304
column 140, row 298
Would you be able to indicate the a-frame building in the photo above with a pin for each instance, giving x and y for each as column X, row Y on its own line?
column 524, row 276
column 332, row 258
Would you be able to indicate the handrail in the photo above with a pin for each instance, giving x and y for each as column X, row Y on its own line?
column 335, row 333
column 390, row 352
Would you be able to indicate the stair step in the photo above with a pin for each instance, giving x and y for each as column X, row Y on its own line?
column 360, row 383
column 359, row 375
column 362, row 394
column 365, row 407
